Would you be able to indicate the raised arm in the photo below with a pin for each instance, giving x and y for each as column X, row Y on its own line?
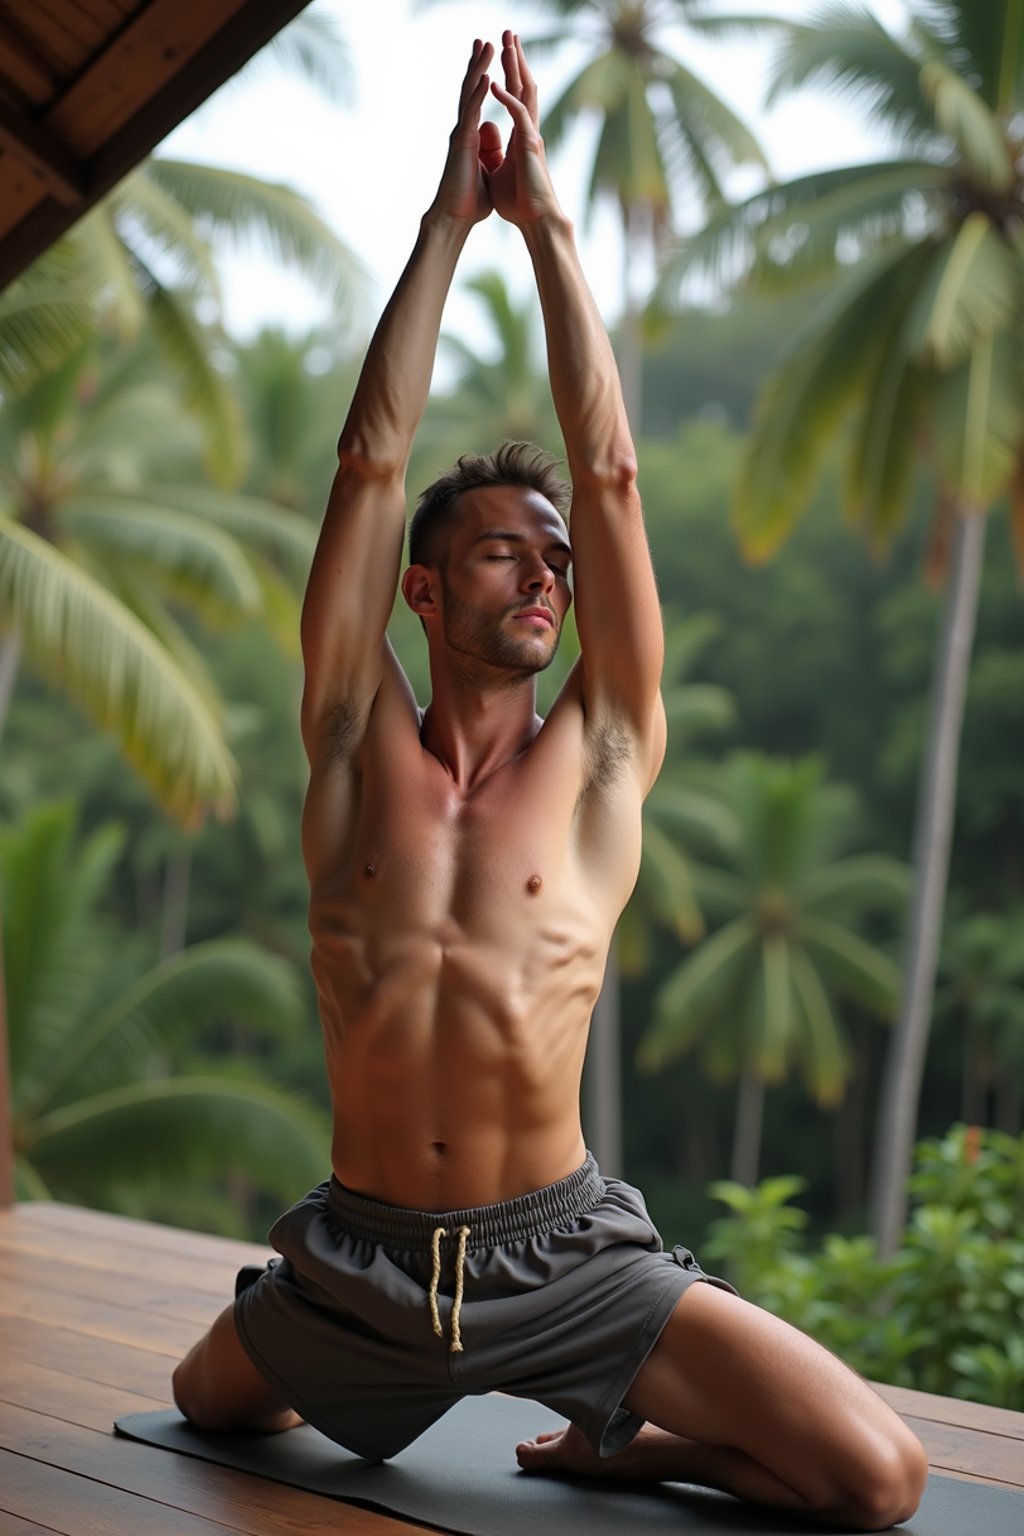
column 617, row 610
column 354, row 574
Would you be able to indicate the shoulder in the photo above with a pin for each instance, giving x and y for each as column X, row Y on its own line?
column 614, row 750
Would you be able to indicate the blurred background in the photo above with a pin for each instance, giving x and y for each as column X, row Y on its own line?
column 806, row 235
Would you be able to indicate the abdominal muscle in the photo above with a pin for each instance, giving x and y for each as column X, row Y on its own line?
column 454, row 1053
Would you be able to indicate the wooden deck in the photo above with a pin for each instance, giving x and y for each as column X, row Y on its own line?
column 94, row 1312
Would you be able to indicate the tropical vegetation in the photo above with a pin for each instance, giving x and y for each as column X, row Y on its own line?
column 113, row 1094
column 918, row 347
column 944, row 1313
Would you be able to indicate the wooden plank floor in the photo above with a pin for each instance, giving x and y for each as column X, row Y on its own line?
column 94, row 1312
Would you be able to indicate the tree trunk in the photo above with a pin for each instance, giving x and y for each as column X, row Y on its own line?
column 174, row 917
column 932, row 839
column 6, row 1119
column 746, row 1147
column 602, row 1085
column 602, row 1081
column 10, row 654
column 630, row 342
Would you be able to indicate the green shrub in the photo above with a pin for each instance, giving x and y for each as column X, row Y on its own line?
column 945, row 1314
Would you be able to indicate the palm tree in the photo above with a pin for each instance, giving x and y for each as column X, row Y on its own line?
column 920, row 347
column 93, row 1022
column 684, row 816
column 495, row 400
column 145, row 255
column 760, row 995
column 664, row 137
column 105, row 527
column 981, row 993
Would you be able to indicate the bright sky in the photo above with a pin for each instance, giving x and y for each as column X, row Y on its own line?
column 371, row 168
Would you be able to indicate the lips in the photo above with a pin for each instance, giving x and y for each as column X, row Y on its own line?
column 537, row 613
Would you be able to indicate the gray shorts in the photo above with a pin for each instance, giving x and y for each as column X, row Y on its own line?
column 372, row 1324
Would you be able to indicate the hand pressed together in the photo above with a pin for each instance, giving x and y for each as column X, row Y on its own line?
column 479, row 174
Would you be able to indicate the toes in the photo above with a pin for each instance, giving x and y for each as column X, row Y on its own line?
column 544, row 1448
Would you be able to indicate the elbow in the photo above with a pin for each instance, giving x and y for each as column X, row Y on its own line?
column 365, row 461
column 614, row 471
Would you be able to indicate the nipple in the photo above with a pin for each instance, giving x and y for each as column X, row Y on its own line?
column 534, row 884
column 370, row 869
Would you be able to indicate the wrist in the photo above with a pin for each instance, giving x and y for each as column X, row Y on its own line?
column 442, row 227
column 552, row 229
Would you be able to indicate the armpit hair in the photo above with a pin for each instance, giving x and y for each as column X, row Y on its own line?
column 342, row 731
column 609, row 750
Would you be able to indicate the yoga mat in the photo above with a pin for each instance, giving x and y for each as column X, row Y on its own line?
column 462, row 1475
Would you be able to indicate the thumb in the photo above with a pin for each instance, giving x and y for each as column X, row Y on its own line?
column 491, row 154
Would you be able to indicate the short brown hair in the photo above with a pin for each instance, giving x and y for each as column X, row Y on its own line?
column 512, row 464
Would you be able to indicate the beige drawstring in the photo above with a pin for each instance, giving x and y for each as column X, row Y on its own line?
column 455, row 1347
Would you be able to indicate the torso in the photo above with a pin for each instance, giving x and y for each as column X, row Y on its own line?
column 459, row 943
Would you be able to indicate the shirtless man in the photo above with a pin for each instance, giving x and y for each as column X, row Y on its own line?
column 467, row 867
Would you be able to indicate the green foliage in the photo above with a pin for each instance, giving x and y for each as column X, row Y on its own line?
column 99, row 1035
column 945, row 1314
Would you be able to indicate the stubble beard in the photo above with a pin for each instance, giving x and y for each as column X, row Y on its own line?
column 486, row 648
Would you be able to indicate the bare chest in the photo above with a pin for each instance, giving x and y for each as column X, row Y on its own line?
column 420, row 842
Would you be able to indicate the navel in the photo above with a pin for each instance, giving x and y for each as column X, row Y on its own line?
column 534, row 884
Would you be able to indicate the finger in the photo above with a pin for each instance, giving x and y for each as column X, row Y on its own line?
column 479, row 60
column 520, row 115
column 491, row 154
column 529, row 84
column 469, row 112
column 510, row 64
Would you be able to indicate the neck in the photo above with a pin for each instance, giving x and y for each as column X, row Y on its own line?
column 473, row 730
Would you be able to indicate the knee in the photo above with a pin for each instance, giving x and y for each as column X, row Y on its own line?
column 888, row 1489
column 189, row 1398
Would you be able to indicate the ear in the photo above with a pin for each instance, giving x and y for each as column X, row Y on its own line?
column 419, row 590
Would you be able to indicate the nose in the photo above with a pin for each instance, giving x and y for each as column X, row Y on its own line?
column 538, row 577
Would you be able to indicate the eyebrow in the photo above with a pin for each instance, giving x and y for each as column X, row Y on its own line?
column 508, row 536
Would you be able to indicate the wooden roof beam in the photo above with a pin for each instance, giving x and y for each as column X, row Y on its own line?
column 45, row 155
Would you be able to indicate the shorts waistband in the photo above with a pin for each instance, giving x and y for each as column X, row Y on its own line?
column 509, row 1221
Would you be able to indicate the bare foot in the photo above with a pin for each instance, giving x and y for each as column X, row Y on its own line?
column 568, row 1450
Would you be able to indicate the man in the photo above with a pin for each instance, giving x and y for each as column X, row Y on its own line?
column 467, row 867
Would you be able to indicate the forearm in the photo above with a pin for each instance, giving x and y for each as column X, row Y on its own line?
column 391, row 395
column 584, row 378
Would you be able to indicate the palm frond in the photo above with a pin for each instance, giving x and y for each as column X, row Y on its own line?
column 864, row 881
column 801, row 406
column 77, row 636
column 964, row 118
column 261, row 214
column 705, row 119
column 45, row 315
column 809, row 224
column 109, row 270
column 693, row 992
column 140, row 205
column 978, row 411
column 665, row 884
column 825, row 1058
column 600, row 87
column 254, row 522
column 51, row 954
column 885, row 443
column 169, row 543
column 985, row 43
column 851, row 965
column 774, row 1034
column 313, row 50
column 195, row 1126
column 204, row 388
column 221, row 980
column 847, row 50
column 973, row 289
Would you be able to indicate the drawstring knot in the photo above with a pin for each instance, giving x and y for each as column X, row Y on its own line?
column 460, row 1271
